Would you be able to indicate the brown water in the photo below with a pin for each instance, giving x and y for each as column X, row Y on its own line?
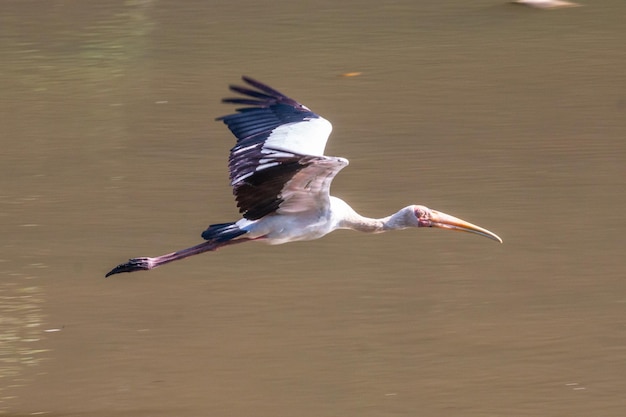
column 509, row 117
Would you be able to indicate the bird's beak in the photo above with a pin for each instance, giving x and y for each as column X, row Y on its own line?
column 445, row 221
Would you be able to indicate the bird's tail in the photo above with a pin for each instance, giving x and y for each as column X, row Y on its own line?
column 222, row 232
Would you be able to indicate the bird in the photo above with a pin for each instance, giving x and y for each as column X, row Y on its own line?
column 281, row 182
column 546, row 4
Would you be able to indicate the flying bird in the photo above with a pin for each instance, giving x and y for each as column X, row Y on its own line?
column 281, row 182
column 546, row 4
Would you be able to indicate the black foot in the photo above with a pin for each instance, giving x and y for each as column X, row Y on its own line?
column 135, row 264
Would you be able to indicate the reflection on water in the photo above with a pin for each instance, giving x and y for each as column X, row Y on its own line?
column 21, row 317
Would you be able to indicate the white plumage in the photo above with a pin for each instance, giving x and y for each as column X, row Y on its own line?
column 307, row 137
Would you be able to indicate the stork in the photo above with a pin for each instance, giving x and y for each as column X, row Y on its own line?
column 281, row 182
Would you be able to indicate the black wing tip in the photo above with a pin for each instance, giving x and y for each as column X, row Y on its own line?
column 249, row 80
column 265, row 94
column 262, row 86
column 266, row 89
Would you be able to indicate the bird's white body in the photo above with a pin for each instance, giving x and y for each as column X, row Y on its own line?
column 310, row 225
column 284, row 228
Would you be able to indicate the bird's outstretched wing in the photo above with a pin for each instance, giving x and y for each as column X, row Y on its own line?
column 278, row 163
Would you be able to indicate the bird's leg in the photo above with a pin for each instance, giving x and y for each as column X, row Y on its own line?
column 145, row 263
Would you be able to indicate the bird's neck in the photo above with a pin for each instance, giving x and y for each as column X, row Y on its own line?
column 353, row 220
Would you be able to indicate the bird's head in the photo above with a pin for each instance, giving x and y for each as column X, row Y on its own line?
column 426, row 217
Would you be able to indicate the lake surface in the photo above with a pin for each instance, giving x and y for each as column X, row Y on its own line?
column 511, row 118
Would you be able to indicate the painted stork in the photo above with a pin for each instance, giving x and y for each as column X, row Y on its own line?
column 281, row 181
